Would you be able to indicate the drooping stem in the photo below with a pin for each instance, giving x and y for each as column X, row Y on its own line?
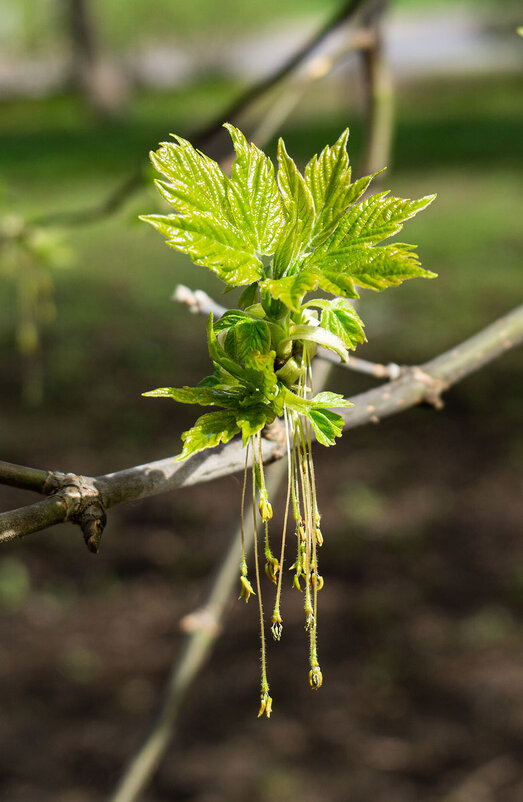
column 266, row 702
column 277, row 623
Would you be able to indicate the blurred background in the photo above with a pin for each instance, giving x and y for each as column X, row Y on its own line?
column 420, row 622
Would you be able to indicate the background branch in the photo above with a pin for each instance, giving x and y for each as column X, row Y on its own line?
column 116, row 198
column 346, row 12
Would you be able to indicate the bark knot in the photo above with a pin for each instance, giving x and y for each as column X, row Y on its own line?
column 82, row 502
column 433, row 387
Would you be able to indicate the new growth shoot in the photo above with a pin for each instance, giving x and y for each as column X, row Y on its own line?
column 280, row 237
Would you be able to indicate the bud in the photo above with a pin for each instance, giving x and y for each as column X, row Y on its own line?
column 265, row 705
column 277, row 625
column 246, row 589
column 264, row 505
column 271, row 569
column 315, row 678
column 317, row 580
column 309, row 621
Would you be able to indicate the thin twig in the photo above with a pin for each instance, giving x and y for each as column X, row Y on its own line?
column 390, row 371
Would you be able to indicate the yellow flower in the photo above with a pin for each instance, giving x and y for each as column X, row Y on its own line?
column 265, row 705
column 277, row 625
column 315, row 678
column 246, row 590
column 264, row 505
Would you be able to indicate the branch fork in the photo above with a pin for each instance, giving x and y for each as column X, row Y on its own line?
column 434, row 386
column 82, row 502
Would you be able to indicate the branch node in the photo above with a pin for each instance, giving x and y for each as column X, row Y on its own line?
column 82, row 502
column 433, row 387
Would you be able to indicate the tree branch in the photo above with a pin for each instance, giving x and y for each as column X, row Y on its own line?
column 419, row 383
column 343, row 15
column 117, row 197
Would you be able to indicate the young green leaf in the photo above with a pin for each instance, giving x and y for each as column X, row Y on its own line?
column 320, row 336
column 288, row 249
column 212, row 243
column 323, row 400
column 299, row 209
column 253, row 194
column 259, row 373
column 205, row 396
column 249, row 296
column 376, row 268
column 291, row 289
column 219, row 355
column 195, row 183
column 246, row 337
column 209, row 430
column 327, row 425
column 252, row 419
column 328, row 178
column 329, row 399
column 295, row 192
column 333, row 278
column 339, row 317
column 230, row 318
column 375, row 219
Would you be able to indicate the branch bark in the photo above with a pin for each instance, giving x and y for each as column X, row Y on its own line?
column 418, row 383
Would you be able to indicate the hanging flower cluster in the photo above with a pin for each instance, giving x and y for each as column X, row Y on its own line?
column 281, row 238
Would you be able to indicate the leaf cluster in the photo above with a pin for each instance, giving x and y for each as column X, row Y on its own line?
column 281, row 236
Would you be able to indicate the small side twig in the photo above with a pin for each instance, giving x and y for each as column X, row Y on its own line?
column 390, row 371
